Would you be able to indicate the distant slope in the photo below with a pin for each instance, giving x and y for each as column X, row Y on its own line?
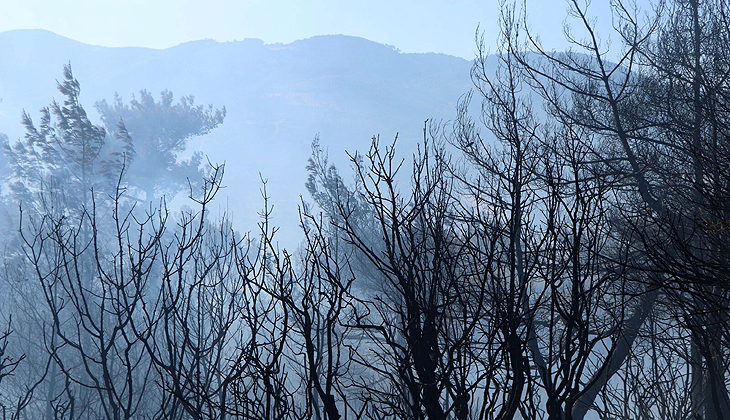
column 278, row 97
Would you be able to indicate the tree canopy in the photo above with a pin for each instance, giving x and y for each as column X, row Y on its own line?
column 160, row 131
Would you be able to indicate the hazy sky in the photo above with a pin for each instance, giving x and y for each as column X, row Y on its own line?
column 445, row 26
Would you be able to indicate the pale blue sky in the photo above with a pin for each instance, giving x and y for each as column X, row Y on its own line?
column 445, row 26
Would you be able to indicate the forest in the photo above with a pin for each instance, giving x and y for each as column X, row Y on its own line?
column 563, row 255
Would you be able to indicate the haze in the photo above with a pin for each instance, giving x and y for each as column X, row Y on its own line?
column 327, row 210
column 411, row 26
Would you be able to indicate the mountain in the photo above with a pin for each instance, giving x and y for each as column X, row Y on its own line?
column 278, row 97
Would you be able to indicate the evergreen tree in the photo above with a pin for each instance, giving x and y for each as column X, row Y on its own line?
column 58, row 163
column 161, row 130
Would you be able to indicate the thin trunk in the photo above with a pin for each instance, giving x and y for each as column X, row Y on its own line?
column 50, row 394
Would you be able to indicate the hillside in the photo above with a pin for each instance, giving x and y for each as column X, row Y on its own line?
column 278, row 97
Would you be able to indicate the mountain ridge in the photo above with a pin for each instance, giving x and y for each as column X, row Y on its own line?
column 274, row 45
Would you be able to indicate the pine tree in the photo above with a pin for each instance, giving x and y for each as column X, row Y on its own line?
column 161, row 130
column 59, row 162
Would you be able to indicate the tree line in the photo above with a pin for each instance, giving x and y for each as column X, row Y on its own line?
column 563, row 257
